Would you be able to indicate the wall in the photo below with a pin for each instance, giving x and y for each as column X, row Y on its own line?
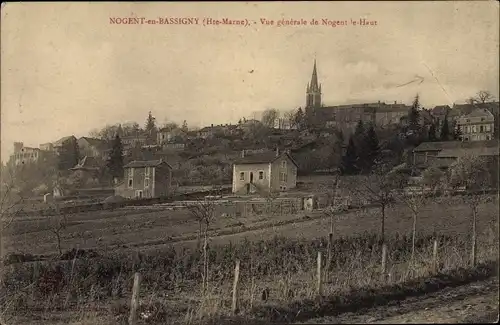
column 291, row 171
column 238, row 185
column 162, row 181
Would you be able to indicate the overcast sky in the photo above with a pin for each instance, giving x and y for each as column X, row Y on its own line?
column 66, row 70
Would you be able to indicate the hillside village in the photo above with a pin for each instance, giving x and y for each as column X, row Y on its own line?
column 257, row 156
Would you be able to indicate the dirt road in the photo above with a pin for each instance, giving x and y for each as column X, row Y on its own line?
column 476, row 303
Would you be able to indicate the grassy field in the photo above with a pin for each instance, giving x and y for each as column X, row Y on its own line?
column 161, row 245
column 149, row 228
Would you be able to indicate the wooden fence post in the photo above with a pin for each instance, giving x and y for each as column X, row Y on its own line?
column 234, row 306
column 384, row 262
column 435, row 262
column 134, row 304
column 330, row 244
column 319, row 284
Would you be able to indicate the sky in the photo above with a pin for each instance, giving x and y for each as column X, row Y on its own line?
column 65, row 69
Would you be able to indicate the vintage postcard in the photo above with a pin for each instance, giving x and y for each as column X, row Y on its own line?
column 249, row 162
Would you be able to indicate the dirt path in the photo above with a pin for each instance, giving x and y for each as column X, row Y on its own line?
column 476, row 302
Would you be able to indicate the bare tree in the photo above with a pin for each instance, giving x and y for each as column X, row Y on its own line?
column 289, row 117
column 484, row 96
column 378, row 188
column 204, row 213
column 414, row 199
column 472, row 173
column 58, row 223
column 269, row 117
column 334, row 205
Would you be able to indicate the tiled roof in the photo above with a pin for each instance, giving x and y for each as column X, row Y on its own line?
column 62, row 140
column 262, row 158
column 461, row 152
column 479, row 112
column 145, row 163
column 437, row 146
column 98, row 143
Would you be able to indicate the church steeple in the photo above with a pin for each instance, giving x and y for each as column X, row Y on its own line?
column 313, row 92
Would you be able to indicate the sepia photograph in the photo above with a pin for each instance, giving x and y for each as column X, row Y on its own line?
column 221, row 163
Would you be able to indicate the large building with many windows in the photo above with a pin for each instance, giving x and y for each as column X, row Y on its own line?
column 478, row 125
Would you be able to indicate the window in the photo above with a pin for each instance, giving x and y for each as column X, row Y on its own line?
column 242, row 176
column 282, row 177
column 481, row 129
column 261, row 175
column 147, row 172
column 482, row 119
column 283, row 164
column 130, row 183
column 487, row 137
column 487, row 128
column 130, row 177
column 138, row 194
column 146, row 182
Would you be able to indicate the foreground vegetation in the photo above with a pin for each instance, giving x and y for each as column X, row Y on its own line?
column 273, row 272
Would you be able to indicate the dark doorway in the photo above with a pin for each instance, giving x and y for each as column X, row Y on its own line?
column 251, row 177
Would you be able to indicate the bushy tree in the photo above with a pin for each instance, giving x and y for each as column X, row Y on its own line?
column 69, row 155
column 432, row 133
column 299, row 119
column 150, row 129
column 414, row 114
column 372, row 148
column 349, row 164
column 115, row 160
column 445, row 130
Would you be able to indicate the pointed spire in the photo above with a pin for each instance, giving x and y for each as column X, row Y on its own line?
column 314, row 78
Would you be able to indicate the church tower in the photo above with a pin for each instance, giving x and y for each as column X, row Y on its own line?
column 313, row 91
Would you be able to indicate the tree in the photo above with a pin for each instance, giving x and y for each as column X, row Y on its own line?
column 184, row 126
column 106, row 133
column 371, row 144
column 150, row 129
column 445, row 130
column 472, row 173
column 289, row 117
column 269, row 117
column 203, row 212
column 58, row 223
column 433, row 178
column 378, row 188
column 349, row 164
column 432, row 133
column 299, row 119
column 414, row 114
column 69, row 155
column 484, row 96
column 129, row 129
column 115, row 160
column 414, row 199
column 457, row 133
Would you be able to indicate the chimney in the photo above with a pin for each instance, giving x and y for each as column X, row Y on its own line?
column 277, row 151
column 242, row 153
column 211, row 125
column 395, row 102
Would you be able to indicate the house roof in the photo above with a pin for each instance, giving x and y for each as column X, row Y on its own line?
column 461, row 152
column 145, row 163
column 479, row 112
column 262, row 158
column 438, row 146
column 98, row 143
column 62, row 140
